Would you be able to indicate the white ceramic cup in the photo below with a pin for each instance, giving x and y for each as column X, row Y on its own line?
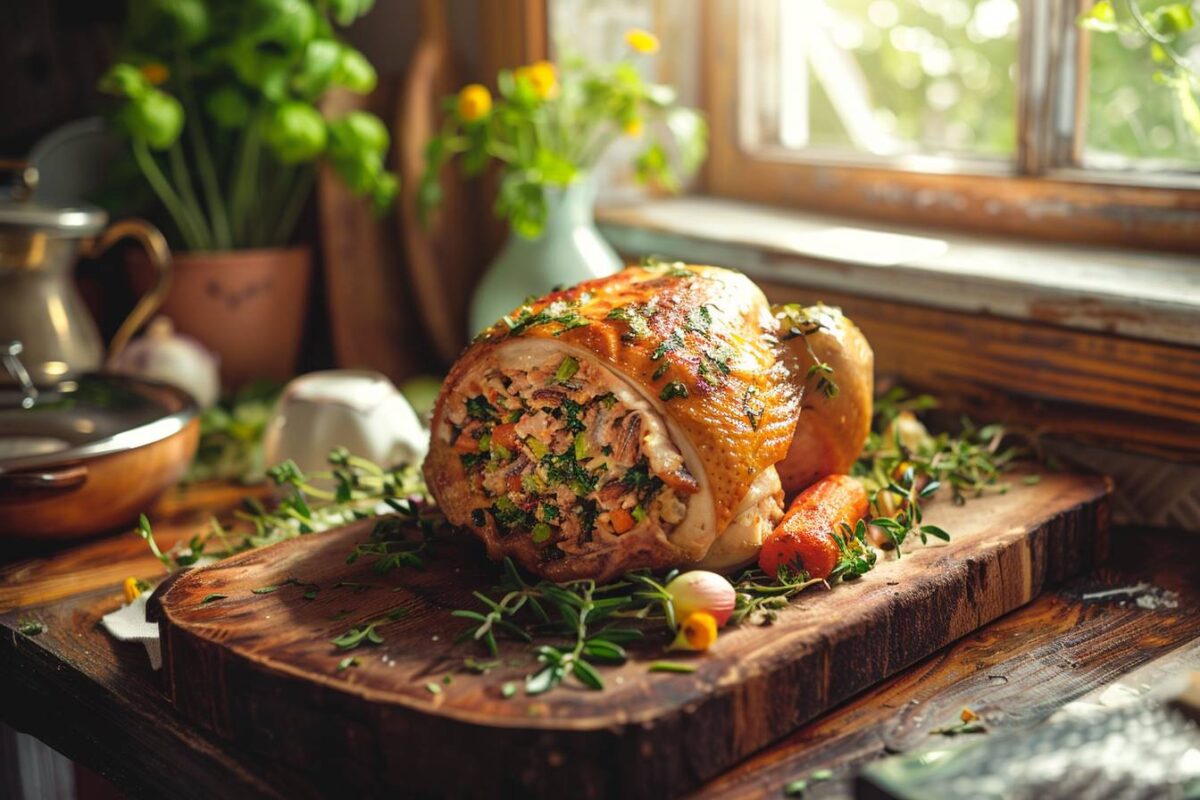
column 360, row 410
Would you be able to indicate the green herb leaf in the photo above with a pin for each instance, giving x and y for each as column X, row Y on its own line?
column 672, row 390
column 348, row 662
column 30, row 628
column 566, row 370
column 671, row 666
column 212, row 598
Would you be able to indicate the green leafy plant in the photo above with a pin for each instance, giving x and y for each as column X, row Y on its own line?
column 218, row 102
column 1161, row 29
column 552, row 123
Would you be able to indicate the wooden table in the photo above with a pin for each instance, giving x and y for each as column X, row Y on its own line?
column 98, row 702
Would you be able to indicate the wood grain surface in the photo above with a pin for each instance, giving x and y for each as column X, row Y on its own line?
column 35, row 573
column 259, row 670
column 97, row 701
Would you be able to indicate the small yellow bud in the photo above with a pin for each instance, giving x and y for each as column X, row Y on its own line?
column 698, row 632
column 155, row 73
column 542, row 76
column 642, row 41
column 474, row 102
column 633, row 128
column 133, row 589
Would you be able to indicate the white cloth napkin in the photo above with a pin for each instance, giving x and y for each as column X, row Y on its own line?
column 128, row 624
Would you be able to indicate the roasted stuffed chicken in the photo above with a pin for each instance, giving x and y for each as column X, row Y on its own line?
column 628, row 422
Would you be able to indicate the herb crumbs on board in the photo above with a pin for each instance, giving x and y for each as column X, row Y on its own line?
column 30, row 628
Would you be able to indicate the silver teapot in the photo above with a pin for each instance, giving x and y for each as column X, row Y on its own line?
column 40, row 305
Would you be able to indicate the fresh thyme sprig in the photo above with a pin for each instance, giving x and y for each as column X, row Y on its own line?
column 805, row 321
column 568, row 613
column 902, row 466
column 358, row 489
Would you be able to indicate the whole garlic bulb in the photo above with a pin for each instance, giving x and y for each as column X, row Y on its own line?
column 162, row 355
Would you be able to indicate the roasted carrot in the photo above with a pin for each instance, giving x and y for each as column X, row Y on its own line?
column 804, row 538
column 621, row 519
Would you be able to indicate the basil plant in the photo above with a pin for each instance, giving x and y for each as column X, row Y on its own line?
column 218, row 99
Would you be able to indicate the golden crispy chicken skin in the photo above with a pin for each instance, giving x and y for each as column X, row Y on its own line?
column 834, row 423
column 627, row 422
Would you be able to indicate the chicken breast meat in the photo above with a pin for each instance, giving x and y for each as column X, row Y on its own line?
column 628, row 422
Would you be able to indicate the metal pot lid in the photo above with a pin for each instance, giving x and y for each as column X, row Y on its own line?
column 96, row 415
column 29, row 216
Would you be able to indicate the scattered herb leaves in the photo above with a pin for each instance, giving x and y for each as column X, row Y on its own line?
column 30, row 628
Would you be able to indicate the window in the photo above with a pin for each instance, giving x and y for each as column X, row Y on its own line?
column 941, row 84
column 1002, row 116
column 881, row 79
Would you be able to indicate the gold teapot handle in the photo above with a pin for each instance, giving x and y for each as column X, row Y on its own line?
column 160, row 256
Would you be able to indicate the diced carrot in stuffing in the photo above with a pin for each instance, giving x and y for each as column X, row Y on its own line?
column 804, row 538
column 514, row 484
column 506, row 435
column 465, row 443
column 621, row 519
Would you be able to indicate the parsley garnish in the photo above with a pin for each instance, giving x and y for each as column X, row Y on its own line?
column 699, row 320
column 559, row 312
column 479, row 408
column 633, row 317
column 752, row 409
column 672, row 390
column 671, row 343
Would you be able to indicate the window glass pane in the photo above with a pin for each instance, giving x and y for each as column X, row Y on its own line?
column 1140, row 100
column 896, row 77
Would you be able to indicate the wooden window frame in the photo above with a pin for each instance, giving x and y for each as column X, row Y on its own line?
column 1040, row 196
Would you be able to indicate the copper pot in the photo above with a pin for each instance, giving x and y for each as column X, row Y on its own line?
column 91, row 454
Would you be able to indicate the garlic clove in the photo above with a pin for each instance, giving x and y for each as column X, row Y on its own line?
column 702, row 591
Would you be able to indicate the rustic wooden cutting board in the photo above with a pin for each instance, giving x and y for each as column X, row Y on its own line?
column 259, row 669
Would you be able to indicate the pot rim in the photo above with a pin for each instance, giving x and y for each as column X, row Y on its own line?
column 148, row 433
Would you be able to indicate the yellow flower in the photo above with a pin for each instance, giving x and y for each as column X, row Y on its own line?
column 698, row 632
column 633, row 127
column 542, row 76
column 641, row 40
column 474, row 102
column 155, row 73
column 133, row 589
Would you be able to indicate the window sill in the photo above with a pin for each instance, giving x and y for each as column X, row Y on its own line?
column 1142, row 295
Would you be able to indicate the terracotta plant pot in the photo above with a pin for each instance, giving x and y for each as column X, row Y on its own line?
column 247, row 306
